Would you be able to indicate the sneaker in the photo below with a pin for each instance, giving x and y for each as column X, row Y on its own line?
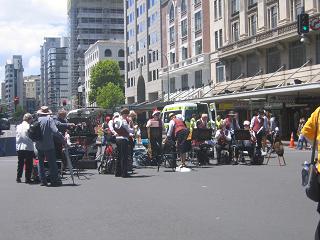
column 56, row 184
column 43, row 184
column 28, row 181
column 18, row 180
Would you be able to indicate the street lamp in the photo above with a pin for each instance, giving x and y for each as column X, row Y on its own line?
column 151, row 51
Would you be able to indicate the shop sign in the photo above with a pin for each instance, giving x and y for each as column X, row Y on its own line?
column 226, row 106
column 281, row 99
column 273, row 105
column 241, row 105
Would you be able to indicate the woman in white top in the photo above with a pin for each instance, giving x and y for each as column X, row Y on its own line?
column 25, row 149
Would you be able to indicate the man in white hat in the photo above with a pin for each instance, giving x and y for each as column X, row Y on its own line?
column 45, row 146
column 123, row 131
column 155, row 128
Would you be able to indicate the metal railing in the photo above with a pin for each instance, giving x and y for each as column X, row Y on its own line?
column 231, row 82
column 285, row 81
column 248, row 80
column 263, row 82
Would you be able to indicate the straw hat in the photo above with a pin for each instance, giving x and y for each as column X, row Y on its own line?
column 156, row 111
column 44, row 110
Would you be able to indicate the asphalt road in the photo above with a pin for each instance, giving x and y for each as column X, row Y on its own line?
column 219, row 202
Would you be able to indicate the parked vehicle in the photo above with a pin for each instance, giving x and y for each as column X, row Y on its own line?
column 186, row 110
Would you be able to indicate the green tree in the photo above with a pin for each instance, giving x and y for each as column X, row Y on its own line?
column 110, row 96
column 18, row 114
column 106, row 71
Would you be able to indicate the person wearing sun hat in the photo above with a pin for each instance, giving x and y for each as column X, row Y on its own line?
column 155, row 128
column 46, row 148
column 123, row 130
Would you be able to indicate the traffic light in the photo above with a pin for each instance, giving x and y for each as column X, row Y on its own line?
column 16, row 101
column 303, row 23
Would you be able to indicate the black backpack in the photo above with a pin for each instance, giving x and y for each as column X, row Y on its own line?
column 34, row 132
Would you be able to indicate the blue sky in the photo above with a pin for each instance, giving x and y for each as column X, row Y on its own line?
column 23, row 26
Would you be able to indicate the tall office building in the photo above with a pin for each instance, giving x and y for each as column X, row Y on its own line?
column 58, row 84
column 90, row 21
column 3, row 92
column 14, row 82
column 47, row 45
column 144, row 53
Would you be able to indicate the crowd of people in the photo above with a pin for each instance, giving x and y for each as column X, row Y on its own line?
column 122, row 129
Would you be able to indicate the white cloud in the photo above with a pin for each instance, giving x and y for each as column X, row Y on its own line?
column 23, row 26
column 34, row 62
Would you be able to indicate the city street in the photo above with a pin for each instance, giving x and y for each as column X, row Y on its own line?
column 216, row 202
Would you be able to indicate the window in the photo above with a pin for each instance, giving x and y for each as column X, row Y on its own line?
column 171, row 34
column 172, row 85
column 184, row 28
column 253, row 25
column 141, row 9
column 172, row 58
column 318, row 49
column 141, row 27
column 252, row 64
column 216, row 39
column 121, row 65
column 152, row 19
column 251, row 3
column 121, row 53
column 296, row 8
column 198, row 21
column 198, row 47
column 220, row 8
column 273, row 17
column 130, row 3
column 107, row 53
column 235, row 31
column 273, row 59
column 183, row 6
column 154, row 75
column 215, row 7
column 151, row 3
column 297, row 54
column 235, row 69
column 220, row 38
column 184, row 82
column 171, row 13
column 219, row 72
column 184, row 53
column 234, row 6
column 198, row 78
column 153, row 38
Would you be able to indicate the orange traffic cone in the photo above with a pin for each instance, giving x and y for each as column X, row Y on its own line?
column 291, row 141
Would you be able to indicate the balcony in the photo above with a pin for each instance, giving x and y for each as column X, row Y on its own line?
column 259, row 40
column 190, row 62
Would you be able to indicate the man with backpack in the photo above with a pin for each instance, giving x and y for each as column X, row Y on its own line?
column 45, row 146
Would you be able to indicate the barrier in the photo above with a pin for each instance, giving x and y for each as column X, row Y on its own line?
column 8, row 146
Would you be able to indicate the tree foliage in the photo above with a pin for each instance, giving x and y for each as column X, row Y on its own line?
column 106, row 71
column 110, row 96
column 18, row 114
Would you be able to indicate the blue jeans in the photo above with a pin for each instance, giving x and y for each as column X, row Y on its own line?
column 50, row 156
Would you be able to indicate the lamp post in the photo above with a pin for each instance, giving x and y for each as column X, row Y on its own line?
column 151, row 51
